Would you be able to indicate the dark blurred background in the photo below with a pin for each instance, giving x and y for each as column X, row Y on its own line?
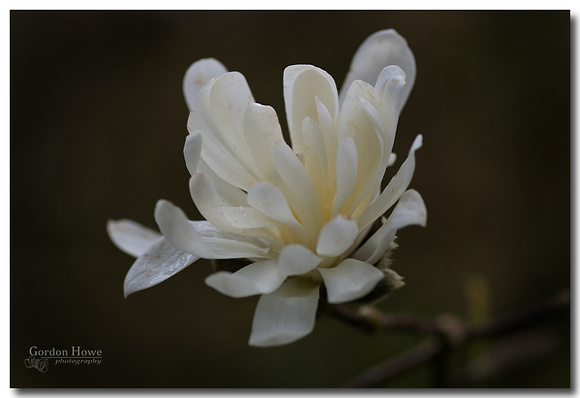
column 98, row 124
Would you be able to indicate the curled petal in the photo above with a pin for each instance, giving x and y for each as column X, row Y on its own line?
column 391, row 89
column 202, row 238
column 198, row 75
column 160, row 262
column 336, row 236
column 131, row 237
column 302, row 85
column 410, row 210
column 285, row 315
column 394, row 189
column 220, row 191
column 176, row 228
column 209, row 200
column 262, row 133
column 261, row 277
column 381, row 49
column 224, row 162
column 219, row 115
column 350, row 280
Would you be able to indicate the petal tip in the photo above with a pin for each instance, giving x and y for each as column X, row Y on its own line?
column 198, row 75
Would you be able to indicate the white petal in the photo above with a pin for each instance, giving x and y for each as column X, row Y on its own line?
column 176, row 228
column 262, row 132
column 374, row 116
column 336, row 236
column 381, row 49
column 223, row 161
column 209, row 201
column 258, row 278
column 390, row 88
column 316, row 161
column 361, row 120
column 224, row 245
column 346, row 172
column 227, row 194
column 192, row 151
column 306, row 203
column 202, row 238
column 198, row 75
column 297, row 260
column 349, row 280
column 328, row 130
column 410, row 210
column 160, row 262
column 302, row 85
column 245, row 217
column 253, row 223
column 326, row 122
column 131, row 237
column 219, row 115
column 395, row 188
column 353, row 115
column 285, row 315
column 269, row 200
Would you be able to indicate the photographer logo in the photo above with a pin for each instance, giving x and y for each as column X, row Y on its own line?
column 76, row 355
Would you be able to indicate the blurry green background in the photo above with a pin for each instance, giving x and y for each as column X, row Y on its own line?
column 97, row 128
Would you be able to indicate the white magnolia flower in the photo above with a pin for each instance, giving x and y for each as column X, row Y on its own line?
column 299, row 212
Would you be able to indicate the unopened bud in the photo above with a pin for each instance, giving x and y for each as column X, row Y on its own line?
column 386, row 261
column 390, row 282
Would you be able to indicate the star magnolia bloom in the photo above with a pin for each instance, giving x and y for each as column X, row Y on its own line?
column 299, row 212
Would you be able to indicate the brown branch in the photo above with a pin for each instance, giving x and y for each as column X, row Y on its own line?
column 371, row 320
column 407, row 361
column 447, row 334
